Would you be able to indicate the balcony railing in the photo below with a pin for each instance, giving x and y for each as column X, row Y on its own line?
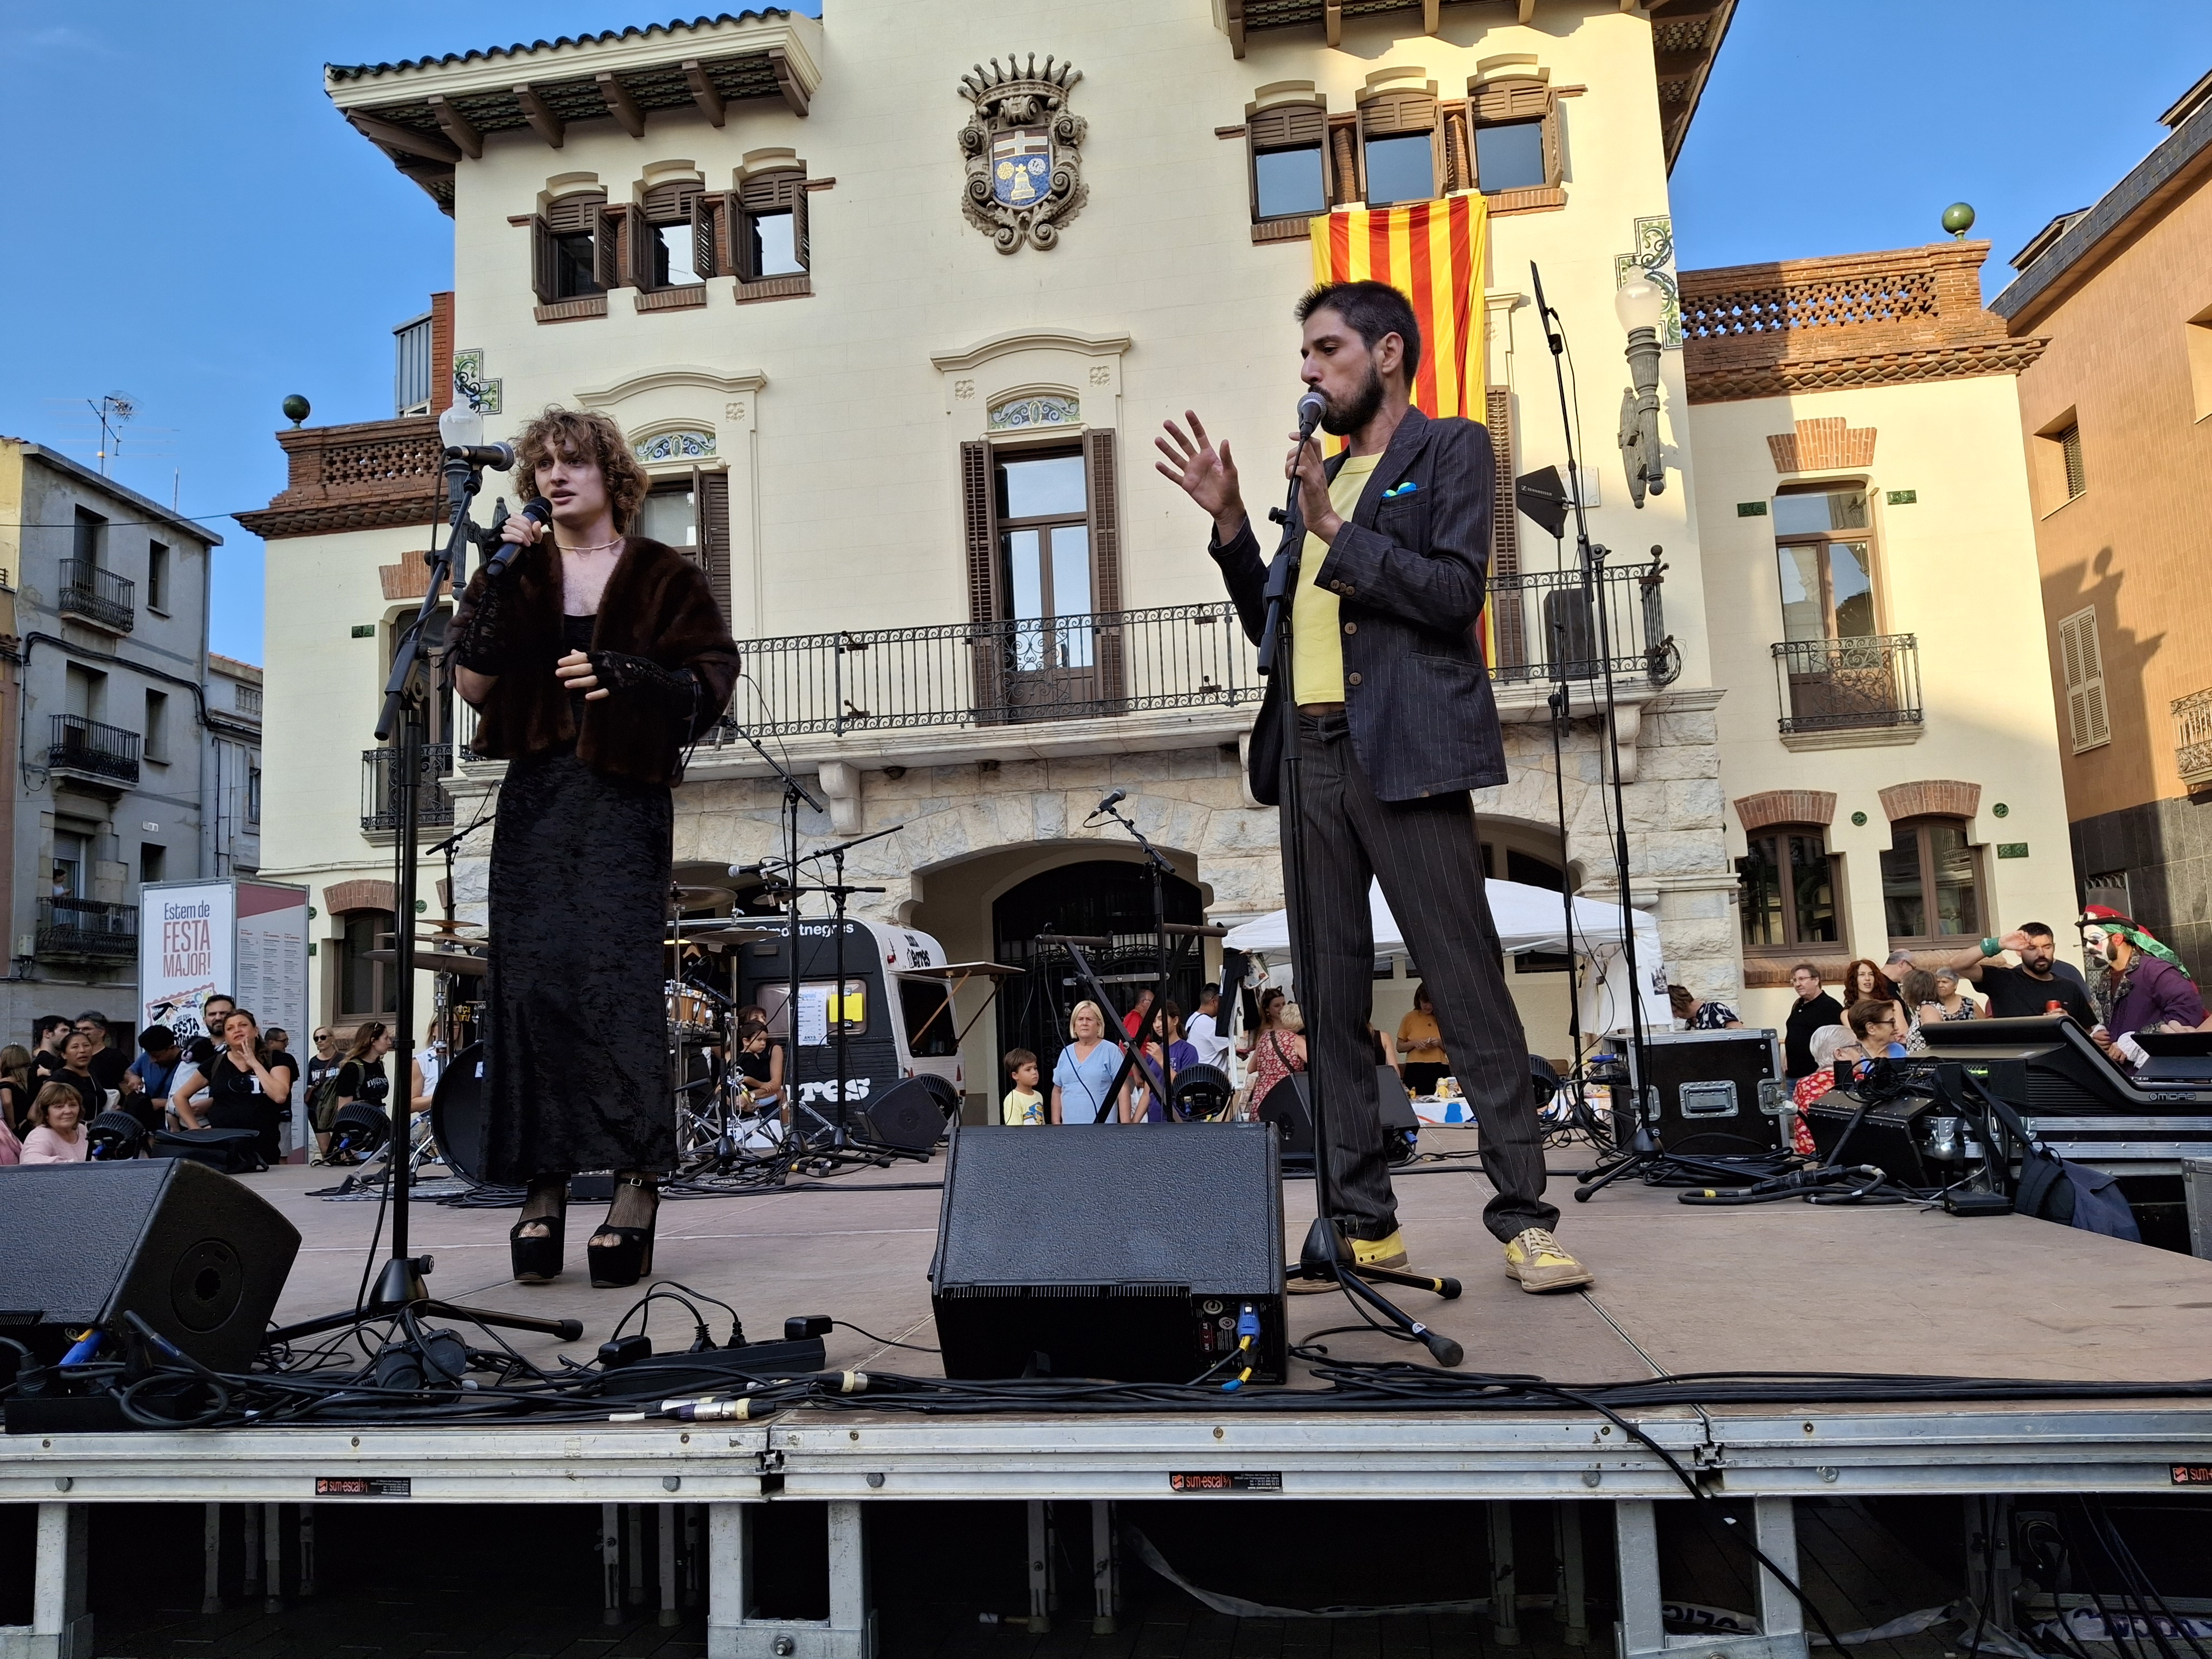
column 93, row 751
column 2192, row 737
column 99, row 597
column 1850, row 685
column 1545, row 626
column 380, row 771
column 87, row 928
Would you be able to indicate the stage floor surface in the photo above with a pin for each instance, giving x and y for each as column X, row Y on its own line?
column 1786, row 1287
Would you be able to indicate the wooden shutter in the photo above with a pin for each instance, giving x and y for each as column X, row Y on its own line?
column 987, row 648
column 1459, row 158
column 1344, row 161
column 802, row 237
column 1506, row 518
column 705, row 243
column 710, row 498
column 2084, row 661
column 771, row 192
column 637, row 250
column 542, row 258
column 1100, row 471
column 1391, row 113
column 1519, row 99
column 1288, row 126
column 607, row 249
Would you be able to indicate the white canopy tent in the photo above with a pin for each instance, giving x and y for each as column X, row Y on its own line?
column 1528, row 919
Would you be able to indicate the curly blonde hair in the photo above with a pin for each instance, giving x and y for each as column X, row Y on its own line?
column 579, row 436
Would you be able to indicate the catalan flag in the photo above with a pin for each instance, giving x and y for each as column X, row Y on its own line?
column 1432, row 252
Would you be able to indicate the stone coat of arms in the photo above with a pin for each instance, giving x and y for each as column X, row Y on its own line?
column 1024, row 151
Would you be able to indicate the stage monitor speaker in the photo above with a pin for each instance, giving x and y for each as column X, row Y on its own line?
column 1703, row 1096
column 1288, row 1108
column 199, row 1257
column 1108, row 1251
column 910, row 1115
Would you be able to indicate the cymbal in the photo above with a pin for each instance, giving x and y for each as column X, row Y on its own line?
column 721, row 935
column 449, row 924
column 436, row 961
column 700, row 894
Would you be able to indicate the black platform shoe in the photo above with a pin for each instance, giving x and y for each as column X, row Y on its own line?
column 622, row 1263
column 537, row 1260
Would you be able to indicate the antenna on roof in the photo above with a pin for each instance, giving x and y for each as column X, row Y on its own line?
column 113, row 408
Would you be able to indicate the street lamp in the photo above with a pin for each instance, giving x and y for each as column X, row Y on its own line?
column 1642, row 309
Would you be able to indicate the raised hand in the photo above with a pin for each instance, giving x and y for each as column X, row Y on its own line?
column 1205, row 474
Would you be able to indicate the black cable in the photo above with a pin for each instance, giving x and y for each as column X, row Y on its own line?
column 916, row 1346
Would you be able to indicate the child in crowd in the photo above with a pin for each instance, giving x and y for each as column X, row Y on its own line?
column 1024, row 1102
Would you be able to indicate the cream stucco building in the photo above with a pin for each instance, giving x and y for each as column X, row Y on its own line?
column 909, row 458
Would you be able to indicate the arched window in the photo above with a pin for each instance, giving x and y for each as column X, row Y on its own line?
column 1931, row 883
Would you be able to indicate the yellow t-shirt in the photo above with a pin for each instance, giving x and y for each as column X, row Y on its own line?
column 1021, row 1107
column 1420, row 1030
column 1317, row 645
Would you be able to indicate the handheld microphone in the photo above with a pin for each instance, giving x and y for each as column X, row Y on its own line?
column 1114, row 800
column 498, row 457
column 1311, row 408
column 539, row 512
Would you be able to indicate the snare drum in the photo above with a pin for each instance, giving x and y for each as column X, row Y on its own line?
column 688, row 1012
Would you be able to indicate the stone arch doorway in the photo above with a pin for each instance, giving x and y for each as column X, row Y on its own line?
column 1112, row 897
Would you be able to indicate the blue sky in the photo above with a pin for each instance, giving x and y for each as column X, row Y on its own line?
column 195, row 226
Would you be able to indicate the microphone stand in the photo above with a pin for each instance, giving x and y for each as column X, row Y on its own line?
column 841, row 1148
column 399, row 1290
column 1324, row 1257
column 1160, row 869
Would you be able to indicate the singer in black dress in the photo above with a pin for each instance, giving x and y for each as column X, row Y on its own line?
column 595, row 659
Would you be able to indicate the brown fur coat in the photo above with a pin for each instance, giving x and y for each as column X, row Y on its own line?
column 656, row 605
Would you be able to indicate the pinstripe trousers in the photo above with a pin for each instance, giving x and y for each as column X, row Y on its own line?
column 1426, row 856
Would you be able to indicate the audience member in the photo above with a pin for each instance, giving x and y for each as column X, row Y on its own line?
column 1875, row 1023
column 1830, row 1044
column 155, row 1070
column 324, row 1061
column 50, row 1033
column 1083, row 1078
column 1421, row 1045
column 1813, row 1009
column 201, row 1049
column 1281, row 1051
column 247, row 1088
column 76, row 1072
column 11, row 1147
column 1864, row 982
column 18, row 1084
column 1151, row 1086
column 361, row 1077
column 1697, row 1015
column 425, row 1066
column 109, row 1065
column 1205, row 1032
column 2036, row 987
column 57, row 1122
column 1023, row 1106
column 1955, row 1002
column 1269, row 1007
column 1133, row 1021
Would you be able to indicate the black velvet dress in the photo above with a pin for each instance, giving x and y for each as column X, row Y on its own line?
column 576, row 1042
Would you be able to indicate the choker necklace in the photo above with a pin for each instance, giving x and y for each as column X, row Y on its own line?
column 588, row 547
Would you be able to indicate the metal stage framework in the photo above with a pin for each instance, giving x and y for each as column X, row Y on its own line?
column 724, row 1475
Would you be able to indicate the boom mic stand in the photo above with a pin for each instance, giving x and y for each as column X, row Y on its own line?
column 1324, row 1257
column 399, row 1288
column 1161, row 869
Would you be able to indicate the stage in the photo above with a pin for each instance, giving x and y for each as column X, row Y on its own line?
column 1778, row 1288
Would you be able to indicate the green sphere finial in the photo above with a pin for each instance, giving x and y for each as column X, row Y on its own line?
column 297, row 409
column 1958, row 219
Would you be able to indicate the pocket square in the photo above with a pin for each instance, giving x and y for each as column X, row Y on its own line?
column 1396, row 490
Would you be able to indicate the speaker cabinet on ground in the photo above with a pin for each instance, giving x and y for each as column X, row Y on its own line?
column 194, row 1253
column 1704, row 1086
column 1289, row 1106
column 1113, row 1251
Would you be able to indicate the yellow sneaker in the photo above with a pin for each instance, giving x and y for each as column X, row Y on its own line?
column 1380, row 1252
column 1537, row 1260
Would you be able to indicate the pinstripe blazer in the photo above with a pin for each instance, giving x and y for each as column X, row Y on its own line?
column 1409, row 573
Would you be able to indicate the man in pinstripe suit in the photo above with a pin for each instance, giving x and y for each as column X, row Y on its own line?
column 1391, row 711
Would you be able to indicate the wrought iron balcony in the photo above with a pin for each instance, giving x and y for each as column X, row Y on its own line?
column 1540, row 626
column 85, row 748
column 97, row 596
column 380, row 772
column 88, row 930
column 2192, row 737
column 1849, row 684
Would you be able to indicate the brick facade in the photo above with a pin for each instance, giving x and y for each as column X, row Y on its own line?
column 1931, row 798
column 1774, row 807
column 1827, row 445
